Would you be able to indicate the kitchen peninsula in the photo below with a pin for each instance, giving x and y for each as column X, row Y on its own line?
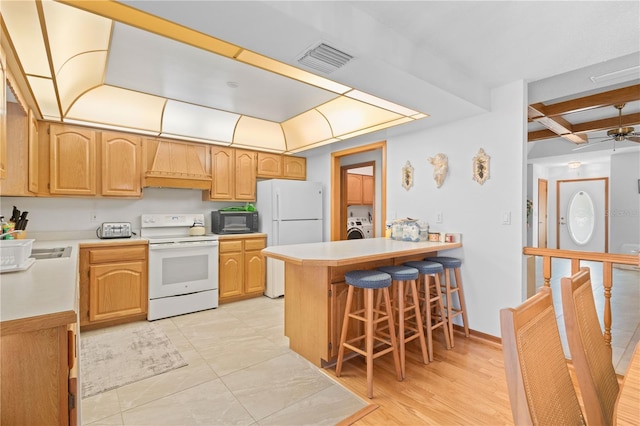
column 315, row 290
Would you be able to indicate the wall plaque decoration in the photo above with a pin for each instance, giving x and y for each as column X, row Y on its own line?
column 407, row 176
column 481, row 167
column 440, row 168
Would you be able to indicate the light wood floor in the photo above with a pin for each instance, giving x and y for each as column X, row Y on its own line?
column 465, row 386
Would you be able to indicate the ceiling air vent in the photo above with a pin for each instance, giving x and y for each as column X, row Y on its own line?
column 324, row 58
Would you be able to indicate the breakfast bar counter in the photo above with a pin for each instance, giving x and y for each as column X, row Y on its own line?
column 315, row 291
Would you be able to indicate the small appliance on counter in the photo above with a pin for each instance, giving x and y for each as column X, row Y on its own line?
column 234, row 221
column 114, row 230
column 197, row 229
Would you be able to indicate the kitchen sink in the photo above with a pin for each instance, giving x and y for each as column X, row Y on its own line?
column 51, row 253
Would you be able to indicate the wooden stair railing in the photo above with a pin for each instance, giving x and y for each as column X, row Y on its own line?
column 607, row 260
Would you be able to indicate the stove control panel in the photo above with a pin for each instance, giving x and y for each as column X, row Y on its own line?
column 171, row 220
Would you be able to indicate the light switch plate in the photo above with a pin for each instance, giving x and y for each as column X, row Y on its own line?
column 506, row 217
column 438, row 217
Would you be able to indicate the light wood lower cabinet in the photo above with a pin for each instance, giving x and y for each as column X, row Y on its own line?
column 113, row 284
column 38, row 371
column 241, row 267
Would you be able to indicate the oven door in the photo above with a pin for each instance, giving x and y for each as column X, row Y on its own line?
column 182, row 268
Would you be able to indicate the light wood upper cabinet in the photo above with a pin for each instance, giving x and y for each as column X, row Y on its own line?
column 368, row 188
column 269, row 165
column 121, row 157
column 3, row 114
column 294, row 167
column 176, row 164
column 223, row 178
column 33, row 160
column 360, row 189
column 16, row 177
column 245, row 171
column 354, row 189
column 233, row 175
column 72, row 158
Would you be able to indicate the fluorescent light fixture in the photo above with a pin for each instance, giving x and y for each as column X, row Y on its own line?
column 627, row 72
column 111, row 127
column 191, row 139
column 574, row 164
column 259, row 133
column 76, row 50
column 194, row 121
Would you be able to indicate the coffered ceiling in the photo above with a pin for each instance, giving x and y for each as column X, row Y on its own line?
column 228, row 72
column 586, row 119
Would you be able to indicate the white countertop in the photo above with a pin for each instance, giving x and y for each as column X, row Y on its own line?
column 345, row 252
column 49, row 286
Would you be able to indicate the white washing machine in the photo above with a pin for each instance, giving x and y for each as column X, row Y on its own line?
column 358, row 228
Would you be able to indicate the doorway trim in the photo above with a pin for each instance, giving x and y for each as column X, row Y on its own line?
column 337, row 188
column 543, row 212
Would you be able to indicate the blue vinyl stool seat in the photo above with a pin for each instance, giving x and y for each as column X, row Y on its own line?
column 407, row 305
column 451, row 286
column 370, row 316
column 431, row 297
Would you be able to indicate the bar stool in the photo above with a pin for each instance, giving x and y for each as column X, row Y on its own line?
column 434, row 313
column 451, row 288
column 369, row 281
column 408, row 309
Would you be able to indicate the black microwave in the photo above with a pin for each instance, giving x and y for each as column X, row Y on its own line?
column 233, row 222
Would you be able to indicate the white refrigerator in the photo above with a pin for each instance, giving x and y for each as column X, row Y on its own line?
column 289, row 212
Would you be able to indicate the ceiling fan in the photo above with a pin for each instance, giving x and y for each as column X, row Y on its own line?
column 618, row 134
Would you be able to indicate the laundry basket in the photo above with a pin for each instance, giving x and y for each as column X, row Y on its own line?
column 14, row 252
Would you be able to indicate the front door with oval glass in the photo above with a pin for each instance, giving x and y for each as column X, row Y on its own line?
column 582, row 215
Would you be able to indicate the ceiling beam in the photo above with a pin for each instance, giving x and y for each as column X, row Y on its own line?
column 589, row 126
column 608, row 123
column 558, row 125
column 599, row 100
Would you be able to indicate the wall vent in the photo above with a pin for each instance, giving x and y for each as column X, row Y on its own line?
column 324, row 58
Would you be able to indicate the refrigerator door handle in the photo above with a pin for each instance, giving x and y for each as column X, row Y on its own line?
column 276, row 233
column 277, row 206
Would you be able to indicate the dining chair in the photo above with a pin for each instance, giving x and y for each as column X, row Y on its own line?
column 538, row 380
column 589, row 353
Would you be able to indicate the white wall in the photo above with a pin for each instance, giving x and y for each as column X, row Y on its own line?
column 73, row 214
column 492, row 270
column 624, row 192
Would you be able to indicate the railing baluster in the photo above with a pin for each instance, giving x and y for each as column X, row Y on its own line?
column 607, row 282
column 546, row 270
column 607, row 259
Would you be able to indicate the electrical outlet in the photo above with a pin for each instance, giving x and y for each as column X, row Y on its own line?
column 438, row 217
column 93, row 217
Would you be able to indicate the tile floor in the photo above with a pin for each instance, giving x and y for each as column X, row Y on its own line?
column 625, row 306
column 240, row 372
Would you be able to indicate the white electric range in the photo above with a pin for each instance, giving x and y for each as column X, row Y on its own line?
column 183, row 268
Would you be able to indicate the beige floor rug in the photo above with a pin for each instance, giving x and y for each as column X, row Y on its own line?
column 116, row 356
